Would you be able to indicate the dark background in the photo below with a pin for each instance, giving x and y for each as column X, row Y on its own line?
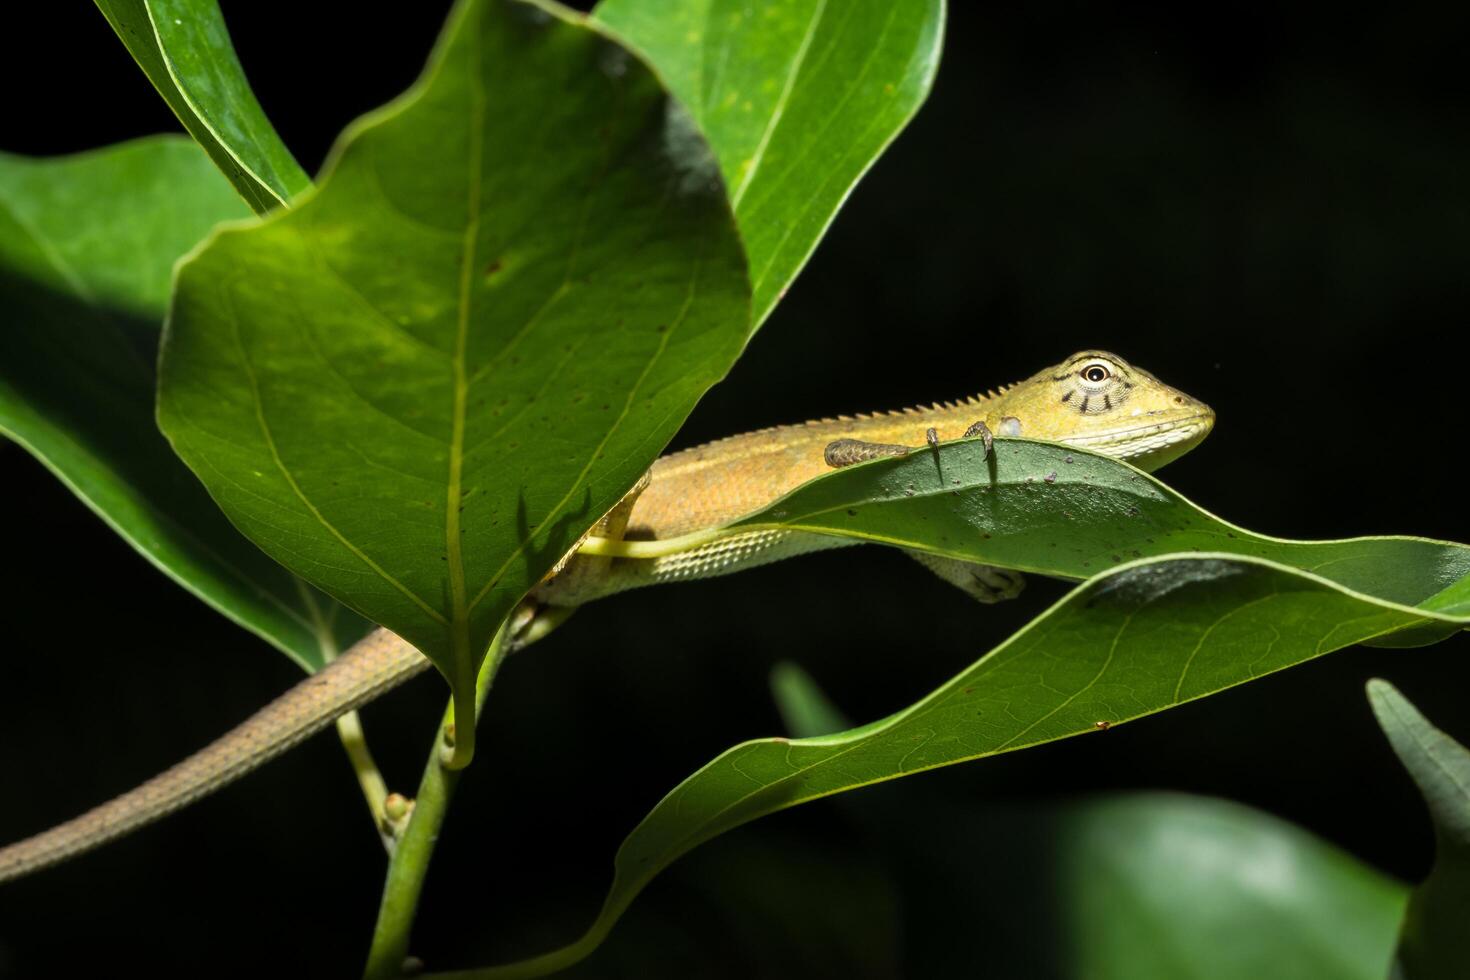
column 1267, row 209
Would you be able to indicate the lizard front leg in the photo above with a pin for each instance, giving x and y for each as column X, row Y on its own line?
column 846, row 452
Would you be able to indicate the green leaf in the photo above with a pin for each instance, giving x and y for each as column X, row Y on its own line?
column 86, row 247
column 1164, row 886
column 1128, row 886
column 798, row 99
column 1149, row 885
column 184, row 49
column 1432, row 943
column 419, row 387
column 1065, row 512
column 1135, row 640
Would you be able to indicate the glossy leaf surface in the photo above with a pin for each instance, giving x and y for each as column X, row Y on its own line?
column 798, row 99
column 1064, row 512
column 420, row 386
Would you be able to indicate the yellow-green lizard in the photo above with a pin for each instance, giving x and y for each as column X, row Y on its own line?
column 659, row 533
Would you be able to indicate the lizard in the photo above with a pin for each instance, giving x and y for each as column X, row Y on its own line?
column 1094, row 400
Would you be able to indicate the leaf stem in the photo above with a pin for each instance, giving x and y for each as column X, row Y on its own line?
column 457, row 739
column 410, row 861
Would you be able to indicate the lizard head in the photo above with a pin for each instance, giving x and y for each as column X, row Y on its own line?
column 1098, row 401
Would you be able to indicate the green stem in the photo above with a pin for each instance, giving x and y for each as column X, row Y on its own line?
column 349, row 726
column 410, row 862
column 374, row 789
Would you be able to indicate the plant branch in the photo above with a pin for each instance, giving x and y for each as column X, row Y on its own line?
column 349, row 726
column 374, row 789
column 409, row 863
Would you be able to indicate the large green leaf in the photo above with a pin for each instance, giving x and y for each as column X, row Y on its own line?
column 1137, row 639
column 86, row 246
column 1130, row 886
column 184, row 49
column 419, row 387
column 797, row 97
column 1064, row 512
column 1432, row 945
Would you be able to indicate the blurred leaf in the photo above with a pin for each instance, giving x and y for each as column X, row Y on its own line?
column 797, row 97
column 86, row 246
column 805, row 708
column 1158, row 885
column 420, row 386
column 184, row 49
column 1135, row 640
column 1147, row 885
column 1432, row 945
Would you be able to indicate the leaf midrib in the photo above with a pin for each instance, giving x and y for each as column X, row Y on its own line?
column 469, row 247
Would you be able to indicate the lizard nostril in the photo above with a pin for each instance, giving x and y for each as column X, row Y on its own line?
column 1178, row 399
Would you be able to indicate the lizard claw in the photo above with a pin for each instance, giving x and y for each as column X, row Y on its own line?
column 983, row 431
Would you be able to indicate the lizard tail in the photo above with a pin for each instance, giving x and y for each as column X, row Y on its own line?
column 377, row 663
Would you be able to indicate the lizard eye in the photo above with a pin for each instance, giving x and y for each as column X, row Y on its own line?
column 1095, row 373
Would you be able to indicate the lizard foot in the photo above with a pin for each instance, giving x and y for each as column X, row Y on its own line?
column 983, row 431
column 1010, row 427
column 984, row 583
column 993, row 584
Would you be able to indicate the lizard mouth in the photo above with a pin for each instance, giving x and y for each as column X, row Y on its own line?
column 1167, row 439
